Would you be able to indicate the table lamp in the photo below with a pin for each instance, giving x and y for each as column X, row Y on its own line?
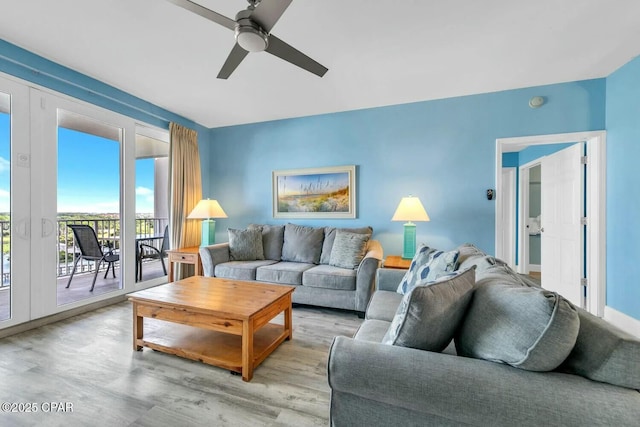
column 206, row 210
column 410, row 209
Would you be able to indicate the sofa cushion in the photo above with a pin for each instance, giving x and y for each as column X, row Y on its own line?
column 302, row 244
column 468, row 251
column 497, row 273
column 330, row 277
column 428, row 316
column 383, row 305
column 427, row 265
column 372, row 330
column 240, row 270
column 272, row 240
column 285, row 273
column 245, row 245
column 329, row 238
column 348, row 249
column 604, row 353
column 528, row 328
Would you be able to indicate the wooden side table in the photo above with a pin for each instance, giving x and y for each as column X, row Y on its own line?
column 185, row 256
column 396, row 261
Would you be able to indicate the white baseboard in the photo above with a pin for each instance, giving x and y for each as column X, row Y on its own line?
column 622, row 321
column 535, row 267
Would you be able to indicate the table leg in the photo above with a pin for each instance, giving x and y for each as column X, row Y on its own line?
column 247, row 350
column 170, row 275
column 288, row 322
column 138, row 323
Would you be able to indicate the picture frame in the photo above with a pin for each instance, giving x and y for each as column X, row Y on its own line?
column 314, row 193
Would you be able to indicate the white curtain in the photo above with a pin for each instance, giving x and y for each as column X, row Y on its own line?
column 185, row 189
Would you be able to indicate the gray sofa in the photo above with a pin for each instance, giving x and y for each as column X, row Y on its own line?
column 377, row 384
column 324, row 272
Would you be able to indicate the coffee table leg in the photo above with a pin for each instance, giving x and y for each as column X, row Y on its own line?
column 138, row 323
column 288, row 323
column 247, row 350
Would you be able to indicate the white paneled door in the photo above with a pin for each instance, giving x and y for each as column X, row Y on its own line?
column 562, row 231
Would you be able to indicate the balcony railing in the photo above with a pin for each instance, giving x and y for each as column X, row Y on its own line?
column 107, row 230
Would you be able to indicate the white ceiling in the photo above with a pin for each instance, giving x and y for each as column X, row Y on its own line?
column 378, row 52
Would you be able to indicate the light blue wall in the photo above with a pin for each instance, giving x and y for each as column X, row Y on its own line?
column 536, row 152
column 441, row 151
column 623, row 189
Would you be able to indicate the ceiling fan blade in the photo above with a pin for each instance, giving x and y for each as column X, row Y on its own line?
column 282, row 50
column 205, row 13
column 267, row 13
column 233, row 60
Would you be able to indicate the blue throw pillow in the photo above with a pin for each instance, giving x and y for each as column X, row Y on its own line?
column 427, row 265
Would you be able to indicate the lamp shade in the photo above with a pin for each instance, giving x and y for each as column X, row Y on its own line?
column 410, row 209
column 207, row 208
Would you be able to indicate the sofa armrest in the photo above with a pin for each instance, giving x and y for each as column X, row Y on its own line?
column 465, row 390
column 365, row 278
column 213, row 255
column 388, row 279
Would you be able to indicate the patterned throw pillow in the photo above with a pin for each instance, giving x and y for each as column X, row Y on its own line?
column 429, row 316
column 245, row 245
column 427, row 265
column 348, row 249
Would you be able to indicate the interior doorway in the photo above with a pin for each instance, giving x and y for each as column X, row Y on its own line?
column 529, row 212
column 594, row 236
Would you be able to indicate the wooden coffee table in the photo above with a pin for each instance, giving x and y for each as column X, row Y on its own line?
column 216, row 321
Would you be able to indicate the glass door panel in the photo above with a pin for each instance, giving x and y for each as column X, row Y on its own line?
column 14, row 203
column 5, row 205
column 88, row 193
column 152, row 206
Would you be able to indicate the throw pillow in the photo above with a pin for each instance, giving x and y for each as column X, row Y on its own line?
column 272, row 240
column 427, row 265
column 245, row 245
column 330, row 236
column 302, row 244
column 348, row 249
column 528, row 328
column 429, row 316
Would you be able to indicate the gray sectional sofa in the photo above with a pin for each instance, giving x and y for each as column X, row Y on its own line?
column 376, row 384
column 330, row 267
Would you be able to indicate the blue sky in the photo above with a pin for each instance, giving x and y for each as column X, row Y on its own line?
column 290, row 185
column 88, row 173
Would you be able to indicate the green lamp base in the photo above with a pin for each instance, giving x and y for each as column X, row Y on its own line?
column 409, row 248
column 208, row 232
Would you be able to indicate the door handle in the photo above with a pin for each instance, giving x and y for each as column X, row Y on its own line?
column 47, row 224
column 542, row 229
column 22, row 228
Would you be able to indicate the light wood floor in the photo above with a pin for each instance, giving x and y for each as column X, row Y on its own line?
column 89, row 362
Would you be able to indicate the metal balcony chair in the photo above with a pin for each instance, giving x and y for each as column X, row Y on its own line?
column 151, row 252
column 90, row 249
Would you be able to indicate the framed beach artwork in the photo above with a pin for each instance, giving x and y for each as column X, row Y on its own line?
column 315, row 193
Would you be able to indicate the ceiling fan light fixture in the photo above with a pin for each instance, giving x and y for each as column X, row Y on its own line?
column 251, row 38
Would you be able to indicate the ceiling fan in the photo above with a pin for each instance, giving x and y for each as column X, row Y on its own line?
column 252, row 28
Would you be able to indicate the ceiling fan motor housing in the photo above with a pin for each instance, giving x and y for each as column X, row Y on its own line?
column 249, row 35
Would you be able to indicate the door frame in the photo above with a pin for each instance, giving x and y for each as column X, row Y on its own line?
column 509, row 215
column 523, row 215
column 596, row 261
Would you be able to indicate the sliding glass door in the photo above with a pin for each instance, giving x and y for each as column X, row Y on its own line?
column 14, row 203
column 65, row 163
column 80, row 163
